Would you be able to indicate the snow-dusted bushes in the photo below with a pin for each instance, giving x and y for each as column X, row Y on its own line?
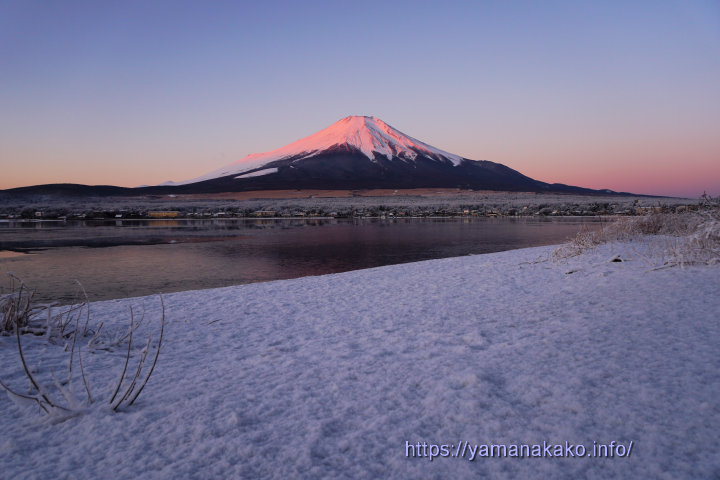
column 15, row 308
column 683, row 237
column 69, row 328
column 18, row 309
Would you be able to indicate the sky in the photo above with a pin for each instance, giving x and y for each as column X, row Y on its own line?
column 612, row 94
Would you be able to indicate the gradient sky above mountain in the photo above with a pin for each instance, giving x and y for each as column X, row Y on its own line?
column 620, row 95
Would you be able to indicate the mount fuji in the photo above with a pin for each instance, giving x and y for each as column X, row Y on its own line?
column 354, row 153
column 368, row 140
column 359, row 152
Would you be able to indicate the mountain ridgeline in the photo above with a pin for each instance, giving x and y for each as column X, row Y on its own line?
column 355, row 153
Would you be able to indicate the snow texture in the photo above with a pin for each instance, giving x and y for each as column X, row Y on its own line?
column 329, row 376
column 258, row 173
column 370, row 135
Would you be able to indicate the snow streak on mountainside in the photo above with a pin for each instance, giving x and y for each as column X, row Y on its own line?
column 370, row 135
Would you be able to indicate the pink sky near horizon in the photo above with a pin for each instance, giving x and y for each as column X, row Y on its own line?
column 623, row 96
column 669, row 167
column 645, row 170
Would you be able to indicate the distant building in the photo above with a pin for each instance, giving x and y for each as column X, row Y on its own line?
column 264, row 213
column 165, row 214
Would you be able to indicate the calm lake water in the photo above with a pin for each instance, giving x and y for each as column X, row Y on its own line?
column 124, row 258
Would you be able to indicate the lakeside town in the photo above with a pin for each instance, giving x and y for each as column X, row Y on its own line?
column 460, row 204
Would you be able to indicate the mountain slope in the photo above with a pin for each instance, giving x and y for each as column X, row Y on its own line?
column 368, row 135
column 354, row 153
column 360, row 152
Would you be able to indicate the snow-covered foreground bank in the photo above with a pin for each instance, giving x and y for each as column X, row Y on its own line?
column 330, row 376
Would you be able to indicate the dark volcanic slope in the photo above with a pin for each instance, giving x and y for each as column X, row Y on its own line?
column 346, row 168
column 355, row 153
column 340, row 170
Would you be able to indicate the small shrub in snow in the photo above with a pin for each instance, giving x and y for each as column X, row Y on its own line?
column 15, row 307
column 70, row 328
column 584, row 240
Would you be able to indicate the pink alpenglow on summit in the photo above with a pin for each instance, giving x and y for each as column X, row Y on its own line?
column 358, row 153
column 370, row 135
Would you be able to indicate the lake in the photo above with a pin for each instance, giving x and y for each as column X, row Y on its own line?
column 125, row 258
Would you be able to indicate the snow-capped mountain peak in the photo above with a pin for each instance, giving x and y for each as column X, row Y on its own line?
column 369, row 135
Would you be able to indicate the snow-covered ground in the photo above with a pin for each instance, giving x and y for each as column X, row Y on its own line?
column 330, row 376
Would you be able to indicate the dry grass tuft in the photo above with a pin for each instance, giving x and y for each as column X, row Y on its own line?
column 688, row 237
column 70, row 328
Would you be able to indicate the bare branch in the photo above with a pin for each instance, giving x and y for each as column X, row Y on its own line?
column 157, row 354
column 141, row 362
column 84, row 379
column 127, row 359
column 26, row 397
column 30, row 376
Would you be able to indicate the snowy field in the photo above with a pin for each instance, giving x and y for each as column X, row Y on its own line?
column 330, row 376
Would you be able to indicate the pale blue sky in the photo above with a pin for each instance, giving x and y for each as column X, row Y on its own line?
column 620, row 95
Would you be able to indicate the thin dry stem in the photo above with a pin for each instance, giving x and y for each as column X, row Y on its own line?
column 157, row 353
column 127, row 359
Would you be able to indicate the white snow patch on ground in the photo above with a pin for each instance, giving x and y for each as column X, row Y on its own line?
column 329, row 376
